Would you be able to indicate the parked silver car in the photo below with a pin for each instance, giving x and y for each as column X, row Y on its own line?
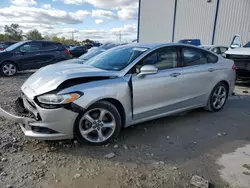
column 121, row 87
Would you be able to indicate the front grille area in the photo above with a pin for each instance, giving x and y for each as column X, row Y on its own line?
column 27, row 107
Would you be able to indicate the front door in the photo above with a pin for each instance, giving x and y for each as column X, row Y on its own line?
column 28, row 55
column 161, row 92
column 199, row 74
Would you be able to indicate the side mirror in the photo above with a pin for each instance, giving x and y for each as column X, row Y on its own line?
column 146, row 70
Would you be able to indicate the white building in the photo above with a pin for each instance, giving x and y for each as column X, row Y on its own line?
column 212, row 21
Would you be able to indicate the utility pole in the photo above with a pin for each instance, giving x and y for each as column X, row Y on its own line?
column 72, row 35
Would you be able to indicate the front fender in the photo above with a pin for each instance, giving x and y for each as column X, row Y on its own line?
column 114, row 88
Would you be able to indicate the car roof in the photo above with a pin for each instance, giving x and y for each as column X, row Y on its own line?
column 43, row 41
column 157, row 45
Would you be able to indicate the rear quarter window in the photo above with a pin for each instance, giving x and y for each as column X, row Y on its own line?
column 211, row 58
column 49, row 46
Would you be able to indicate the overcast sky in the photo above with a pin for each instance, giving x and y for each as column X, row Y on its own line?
column 100, row 20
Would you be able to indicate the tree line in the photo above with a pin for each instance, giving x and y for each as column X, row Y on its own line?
column 14, row 33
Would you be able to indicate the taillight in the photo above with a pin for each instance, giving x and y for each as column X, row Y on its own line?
column 234, row 67
column 1, row 49
column 67, row 51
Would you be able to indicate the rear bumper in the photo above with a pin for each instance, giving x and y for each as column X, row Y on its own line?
column 243, row 74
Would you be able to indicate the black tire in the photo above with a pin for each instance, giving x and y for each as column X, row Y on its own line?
column 8, row 64
column 99, row 105
column 210, row 106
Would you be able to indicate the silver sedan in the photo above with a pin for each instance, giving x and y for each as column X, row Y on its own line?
column 122, row 87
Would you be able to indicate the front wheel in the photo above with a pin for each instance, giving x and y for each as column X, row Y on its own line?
column 218, row 98
column 99, row 124
column 8, row 69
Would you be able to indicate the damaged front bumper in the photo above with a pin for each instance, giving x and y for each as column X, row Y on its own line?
column 47, row 124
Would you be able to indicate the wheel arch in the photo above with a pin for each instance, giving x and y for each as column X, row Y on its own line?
column 119, row 107
column 226, row 83
column 18, row 68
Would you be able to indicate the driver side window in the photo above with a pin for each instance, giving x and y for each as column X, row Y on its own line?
column 164, row 58
column 30, row 47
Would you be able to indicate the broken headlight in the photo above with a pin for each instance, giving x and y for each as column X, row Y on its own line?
column 56, row 99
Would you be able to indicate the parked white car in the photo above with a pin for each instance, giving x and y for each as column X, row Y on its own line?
column 216, row 49
column 241, row 55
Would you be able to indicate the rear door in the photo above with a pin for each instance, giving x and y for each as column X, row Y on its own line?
column 199, row 71
column 49, row 54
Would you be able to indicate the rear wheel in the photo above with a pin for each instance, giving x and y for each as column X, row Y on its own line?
column 8, row 69
column 218, row 98
column 99, row 124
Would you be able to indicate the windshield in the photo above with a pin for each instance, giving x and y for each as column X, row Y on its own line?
column 97, row 51
column 116, row 59
column 14, row 46
column 91, row 54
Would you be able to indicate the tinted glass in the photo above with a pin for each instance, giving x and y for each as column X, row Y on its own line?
column 247, row 45
column 117, row 58
column 91, row 54
column 14, row 46
column 211, row 58
column 165, row 58
column 223, row 50
column 193, row 57
column 30, row 47
column 49, row 46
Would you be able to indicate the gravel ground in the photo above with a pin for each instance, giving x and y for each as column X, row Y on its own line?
column 165, row 152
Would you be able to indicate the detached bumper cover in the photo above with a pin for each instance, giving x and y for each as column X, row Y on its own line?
column 26, row 126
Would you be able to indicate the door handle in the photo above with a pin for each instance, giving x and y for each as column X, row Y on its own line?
column 175, row 74
column 211, row 70
column 38, row 54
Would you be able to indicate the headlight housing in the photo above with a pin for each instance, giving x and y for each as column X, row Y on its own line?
column 56, row 99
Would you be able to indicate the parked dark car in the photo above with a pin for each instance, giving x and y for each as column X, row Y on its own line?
column 195, row 42
column 97, row 51
column 4, row 45
column 31, row 55
column 88, row 46
column 92, row 53
column 77, row 51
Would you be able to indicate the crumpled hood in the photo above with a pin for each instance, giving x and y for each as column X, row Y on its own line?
column 50, row 77
column 238, row 51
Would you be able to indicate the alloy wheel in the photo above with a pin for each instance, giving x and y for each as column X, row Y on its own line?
column 219, row 97
column 9, row 69
column 97, row 125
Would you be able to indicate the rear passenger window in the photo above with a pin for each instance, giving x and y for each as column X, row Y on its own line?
column 211, row 58
column 193, row 57
column 49, row 46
